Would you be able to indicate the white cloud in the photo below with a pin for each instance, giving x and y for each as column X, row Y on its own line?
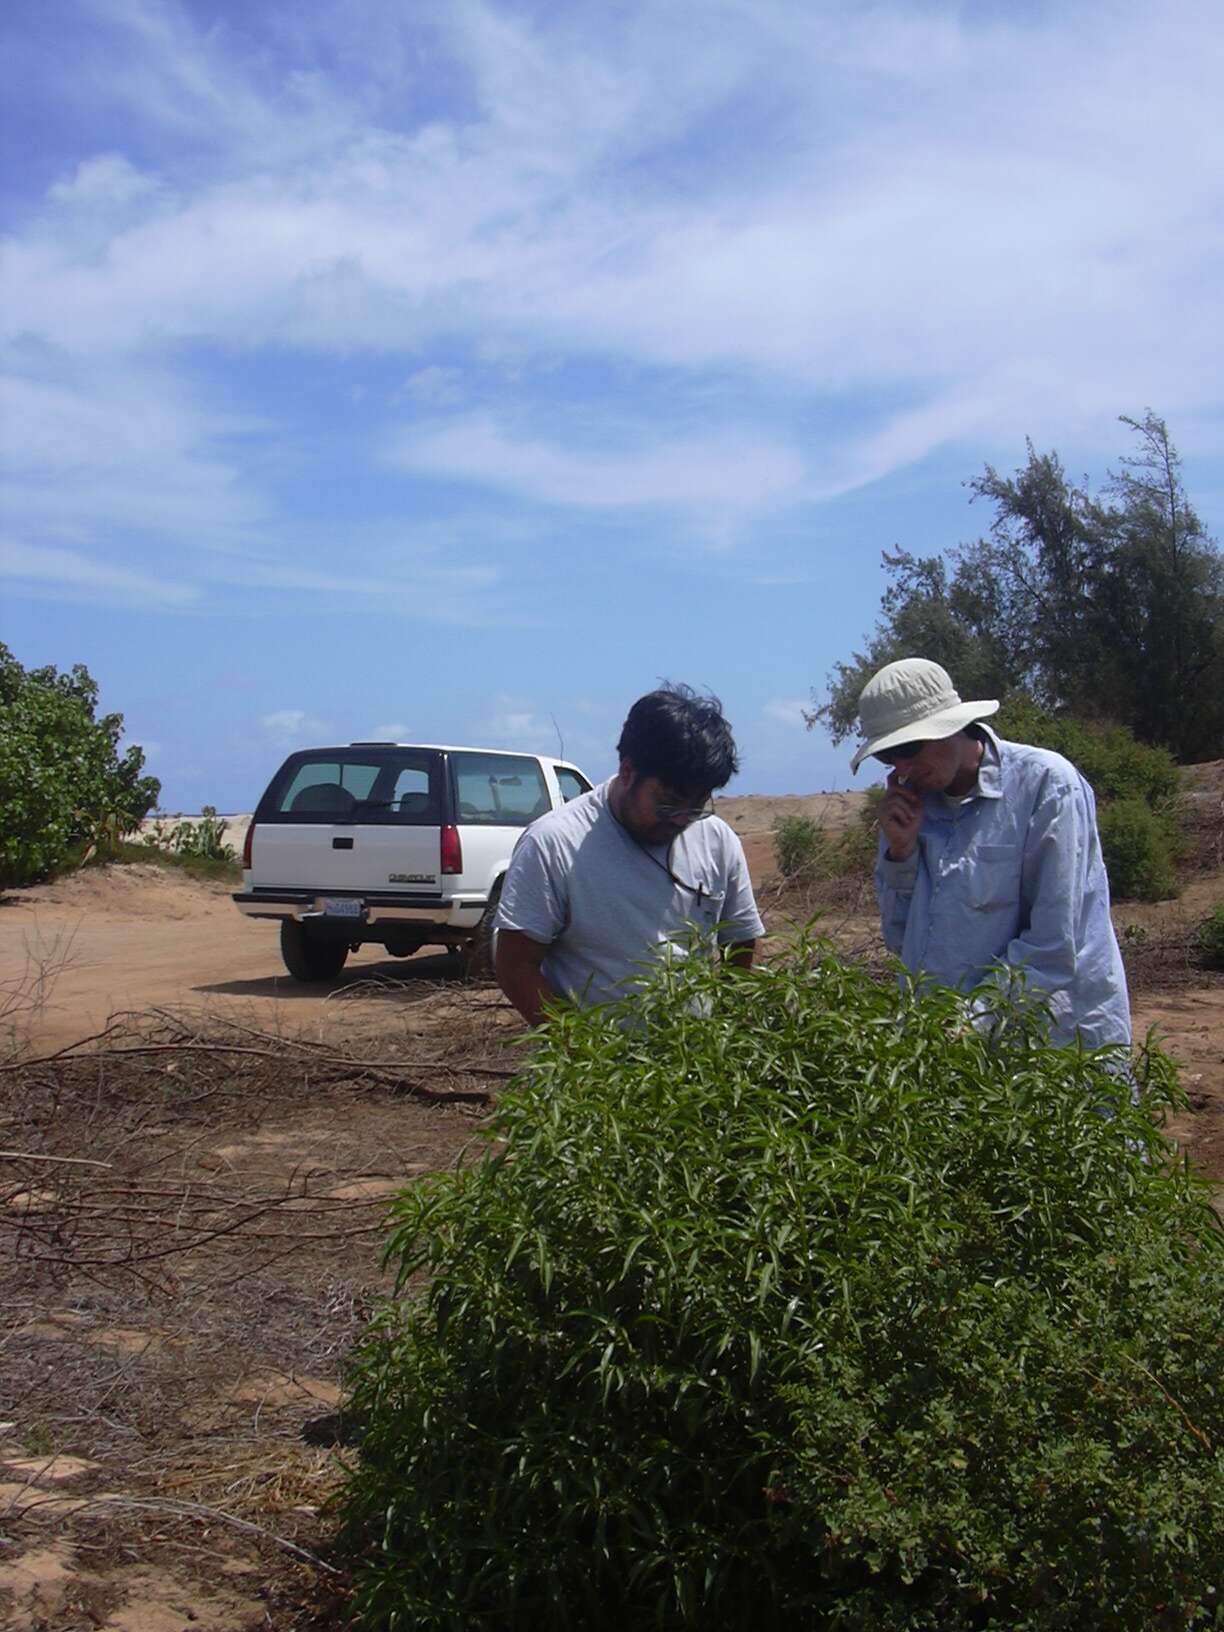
column 294, row 728
column 433, row 387
column 965, row 219
column 95, row 451
column 73, row 575
column 715, row 473
column 515, row 723
column 787, row 710
column 389, row 733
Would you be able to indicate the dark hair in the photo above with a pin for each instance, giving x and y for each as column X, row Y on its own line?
column 680, row 737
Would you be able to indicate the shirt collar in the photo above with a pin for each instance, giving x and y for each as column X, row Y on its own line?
column 990, row 771
column 989, row 784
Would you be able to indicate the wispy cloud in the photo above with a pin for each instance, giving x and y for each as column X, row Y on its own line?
column 787, row 711
column 514, row 723
column 717, row 472
column 77, row 576
column 932, row 206
column 287, row 728
column 547, row 234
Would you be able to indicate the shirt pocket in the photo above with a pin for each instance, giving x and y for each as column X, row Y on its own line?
column 708, row 910
column 993, row 881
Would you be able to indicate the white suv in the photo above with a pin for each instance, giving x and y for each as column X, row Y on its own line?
column 404, row 845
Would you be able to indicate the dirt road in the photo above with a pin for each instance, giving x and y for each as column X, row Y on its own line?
column 75, row 952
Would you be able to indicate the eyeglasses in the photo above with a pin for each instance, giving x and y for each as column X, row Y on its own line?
column 903, row 750
column 684, row 813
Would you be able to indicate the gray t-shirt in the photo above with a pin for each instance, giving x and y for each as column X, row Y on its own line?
column 604, row 906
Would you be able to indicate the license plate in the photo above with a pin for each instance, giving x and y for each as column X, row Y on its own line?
column 340, row 906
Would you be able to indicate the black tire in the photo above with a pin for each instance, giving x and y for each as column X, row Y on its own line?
column 307, row 956
column 478, row 953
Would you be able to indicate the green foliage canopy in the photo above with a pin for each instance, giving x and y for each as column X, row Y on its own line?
column 1107, row 606
column 798, row 1304
column 63, row 780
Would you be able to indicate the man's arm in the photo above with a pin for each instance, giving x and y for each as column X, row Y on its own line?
column 531, row 914
column 741, row 925
column 897, row 868
column 1057, row 852
column 517, row 967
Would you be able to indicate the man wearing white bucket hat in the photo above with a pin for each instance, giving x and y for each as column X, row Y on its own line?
column 989, row 855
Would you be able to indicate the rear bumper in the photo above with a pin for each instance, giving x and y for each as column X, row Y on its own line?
column 379, row 907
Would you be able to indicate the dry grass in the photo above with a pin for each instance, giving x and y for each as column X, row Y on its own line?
column 191, row 1213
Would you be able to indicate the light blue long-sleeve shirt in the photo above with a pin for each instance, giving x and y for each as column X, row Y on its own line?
column 1013, row 875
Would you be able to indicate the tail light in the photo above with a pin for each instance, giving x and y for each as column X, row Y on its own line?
column 452, row 851
column 246, row 844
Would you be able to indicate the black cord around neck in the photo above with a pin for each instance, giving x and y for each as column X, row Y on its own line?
column 664, row 866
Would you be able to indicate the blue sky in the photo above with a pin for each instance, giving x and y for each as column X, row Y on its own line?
column 453, row 371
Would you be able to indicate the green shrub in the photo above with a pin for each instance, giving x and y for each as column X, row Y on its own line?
column 797, row 1306
column 204, row 839
column 805, row 851
column 1209, row 936
column 1136, row 786
column 1110, row 757
column 809, row 854
column 63, row 782
column 1136, row 851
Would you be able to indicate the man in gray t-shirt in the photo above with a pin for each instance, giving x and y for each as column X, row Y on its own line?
column 624, row 873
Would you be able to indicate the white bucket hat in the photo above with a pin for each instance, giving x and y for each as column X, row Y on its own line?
column 913, row 700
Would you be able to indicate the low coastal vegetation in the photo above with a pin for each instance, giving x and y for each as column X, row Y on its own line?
column 66, row 789
column 799, row 1301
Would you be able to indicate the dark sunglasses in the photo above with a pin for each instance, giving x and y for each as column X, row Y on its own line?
column 903, row 750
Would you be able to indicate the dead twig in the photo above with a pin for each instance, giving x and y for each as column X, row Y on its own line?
column 34, row 1156
column 154, row 1504
column 352, row 1066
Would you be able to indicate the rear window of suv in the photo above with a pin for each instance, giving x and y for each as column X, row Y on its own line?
column 399, row 787
column 498, row 790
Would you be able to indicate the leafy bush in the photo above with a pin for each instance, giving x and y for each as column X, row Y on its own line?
column 809, row 854
column 805, row 851
column 1136, row 785
column 1110, row 757
column 204, row 839
column 63, row 782
column 1136, row 851
column 797, row 1305
column 1210, row 936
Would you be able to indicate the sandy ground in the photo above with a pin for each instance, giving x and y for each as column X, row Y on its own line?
column 109, row 940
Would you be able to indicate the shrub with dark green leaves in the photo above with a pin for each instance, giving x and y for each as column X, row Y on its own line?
column 798, row 1304
column 63, row 781
column 1136, row 851
column 1136, row 786
column 1110, row 757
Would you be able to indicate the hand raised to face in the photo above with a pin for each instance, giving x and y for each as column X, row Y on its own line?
column 900, row 818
